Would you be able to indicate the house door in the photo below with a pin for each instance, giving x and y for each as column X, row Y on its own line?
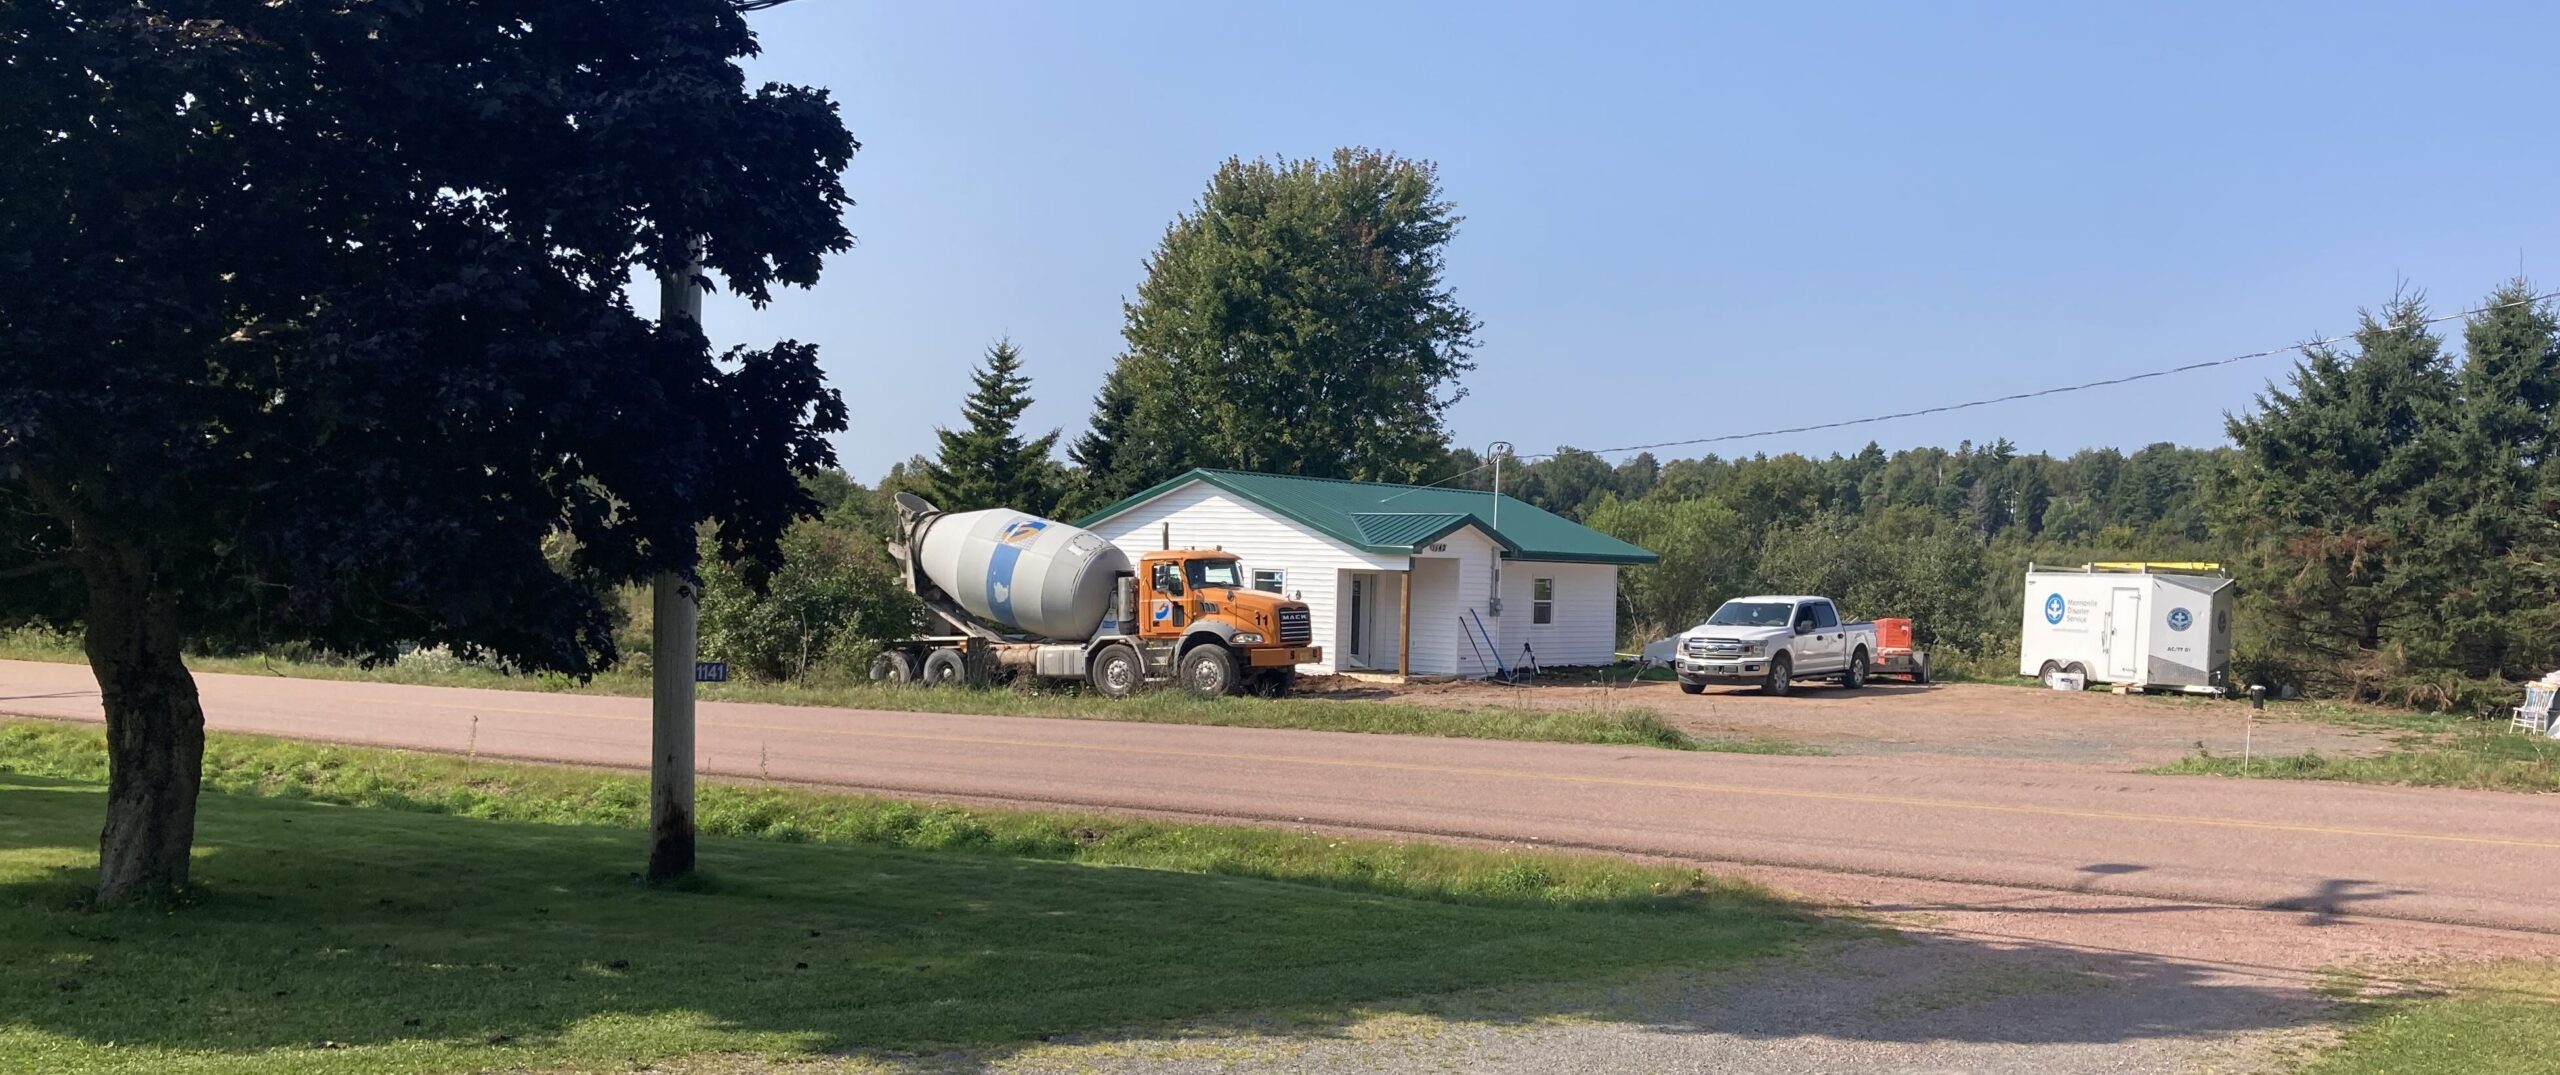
column 1363, row 589
column 2124, row 636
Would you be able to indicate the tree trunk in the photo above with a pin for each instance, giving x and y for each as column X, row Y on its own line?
column 155, row 733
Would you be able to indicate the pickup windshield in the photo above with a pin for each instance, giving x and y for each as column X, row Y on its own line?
column 1751, row 614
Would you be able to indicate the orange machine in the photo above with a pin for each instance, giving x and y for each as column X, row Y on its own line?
column 1895, row 654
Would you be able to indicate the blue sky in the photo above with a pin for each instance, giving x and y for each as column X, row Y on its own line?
column 1683, row 221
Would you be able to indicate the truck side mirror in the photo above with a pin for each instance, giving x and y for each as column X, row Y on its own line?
column 1804, row 627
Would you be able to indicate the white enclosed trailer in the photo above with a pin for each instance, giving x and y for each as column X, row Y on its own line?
column 2136, row 625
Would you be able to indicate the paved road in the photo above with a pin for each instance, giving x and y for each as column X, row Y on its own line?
column 2469, row 857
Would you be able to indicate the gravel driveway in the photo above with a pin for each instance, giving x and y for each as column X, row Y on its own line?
column 1961, row 719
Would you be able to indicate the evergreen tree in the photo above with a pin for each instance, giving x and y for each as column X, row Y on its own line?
column 2341, row 481
column 2490, row 556
column 986, row 463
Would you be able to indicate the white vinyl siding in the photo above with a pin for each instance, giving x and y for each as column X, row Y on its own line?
column 1449, row 595
column 1204, row 516
column 1583, row 624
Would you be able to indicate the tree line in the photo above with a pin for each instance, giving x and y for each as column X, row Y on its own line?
column 2386, row 508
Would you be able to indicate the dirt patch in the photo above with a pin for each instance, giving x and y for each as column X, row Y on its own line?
column 1960, row 719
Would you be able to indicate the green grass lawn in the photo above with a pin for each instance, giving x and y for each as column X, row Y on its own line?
column 1605, row 724
column 376, row 911
column 2501, row 1020
column 2427, row 751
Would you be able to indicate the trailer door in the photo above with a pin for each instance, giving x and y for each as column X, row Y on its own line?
column 2124, row 636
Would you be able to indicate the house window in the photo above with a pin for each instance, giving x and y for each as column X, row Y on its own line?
column 1270, row 580
column 1542, row 600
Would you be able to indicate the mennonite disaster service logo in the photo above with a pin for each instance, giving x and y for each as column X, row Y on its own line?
column 2181, row 619
column 2053, row 607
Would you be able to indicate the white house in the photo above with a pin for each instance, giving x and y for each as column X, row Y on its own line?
column 1399, row 578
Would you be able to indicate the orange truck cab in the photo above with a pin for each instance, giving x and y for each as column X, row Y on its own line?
column 1197, row 596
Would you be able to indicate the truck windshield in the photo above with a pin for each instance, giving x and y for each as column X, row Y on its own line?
column 1216, row 573
column 1751, row 614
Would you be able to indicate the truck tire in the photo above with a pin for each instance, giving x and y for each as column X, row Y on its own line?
column 2076, row 668
column 2045, row 674
column 1856, row 676
column 1920, row 669
column 893, row 668
column 1209, row 671
column 1116, row 672
column 1782, row 677
column 945, row 667
column 1687, row 687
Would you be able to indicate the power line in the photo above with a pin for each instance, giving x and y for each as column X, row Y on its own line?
column 2039, row 393
column 1486, row 465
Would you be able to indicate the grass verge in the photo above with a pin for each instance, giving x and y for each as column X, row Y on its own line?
column 1609, row 725
column 377, row 911
column 2428, row 751
column 2499, row 1020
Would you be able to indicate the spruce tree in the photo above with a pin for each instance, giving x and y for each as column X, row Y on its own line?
column 986, row 463
column 2342, row 480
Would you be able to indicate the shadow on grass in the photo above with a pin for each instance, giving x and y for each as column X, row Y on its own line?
column 434, row 943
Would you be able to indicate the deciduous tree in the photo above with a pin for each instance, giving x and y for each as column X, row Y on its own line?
column 1295, row 321
column 316, row 330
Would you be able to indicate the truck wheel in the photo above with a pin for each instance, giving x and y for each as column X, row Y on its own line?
column 893, row 668
column 1856, row 676
column 1687, row 687
column 1209, row 671
column 1920, row 669
column 2045, row 674
column 2076, row 668
column 1782, row 677
column 1116, row 672
column 945, row 668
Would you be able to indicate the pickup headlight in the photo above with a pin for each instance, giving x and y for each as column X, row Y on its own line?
column 1248, row 638
column 1753, row 649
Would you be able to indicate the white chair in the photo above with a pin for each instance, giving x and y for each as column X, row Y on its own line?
column 2534, row 715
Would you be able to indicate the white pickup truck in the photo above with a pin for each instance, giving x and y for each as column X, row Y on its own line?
column 1771, row 642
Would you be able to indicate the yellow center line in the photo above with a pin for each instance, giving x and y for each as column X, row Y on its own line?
column 1571, row 778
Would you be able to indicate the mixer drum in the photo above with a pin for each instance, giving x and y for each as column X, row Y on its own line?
column 1031, row 574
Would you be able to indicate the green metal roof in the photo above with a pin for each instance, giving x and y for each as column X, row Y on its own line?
column 1377, row 517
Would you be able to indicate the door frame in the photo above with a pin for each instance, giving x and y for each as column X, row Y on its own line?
column 1360, row 619
column 2124, row 635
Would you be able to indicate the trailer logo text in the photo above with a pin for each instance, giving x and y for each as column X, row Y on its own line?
column 2180, row 619
column 2053, row 608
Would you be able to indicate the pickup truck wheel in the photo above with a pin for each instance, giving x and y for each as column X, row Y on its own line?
column 1782, row 677
column 1856, row 676
column 1116, row 672
column 945, row 668
column 893, row 668
column 1687, row 687
column 1209, row 671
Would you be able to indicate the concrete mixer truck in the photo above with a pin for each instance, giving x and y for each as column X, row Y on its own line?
column 1017, row 595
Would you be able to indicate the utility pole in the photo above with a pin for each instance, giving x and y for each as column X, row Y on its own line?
column 1497, row 449
column 673, row 610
